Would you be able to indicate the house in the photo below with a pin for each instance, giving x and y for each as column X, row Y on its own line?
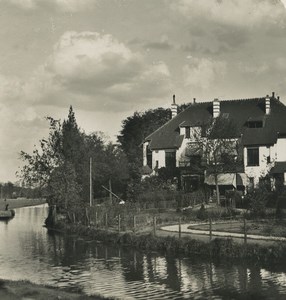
column 261, row 134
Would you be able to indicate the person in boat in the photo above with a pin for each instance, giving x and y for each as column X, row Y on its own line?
column 7, row 206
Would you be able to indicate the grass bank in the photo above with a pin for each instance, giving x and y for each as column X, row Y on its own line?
column 216, row 248
column 16, row 290
column 17, row 203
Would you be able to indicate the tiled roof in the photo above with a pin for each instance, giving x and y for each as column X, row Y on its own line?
column 239, row 111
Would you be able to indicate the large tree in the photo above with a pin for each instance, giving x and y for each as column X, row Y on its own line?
column 218, row 143
column 61, row 164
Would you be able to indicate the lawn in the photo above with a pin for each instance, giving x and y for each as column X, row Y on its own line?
column 20, row 202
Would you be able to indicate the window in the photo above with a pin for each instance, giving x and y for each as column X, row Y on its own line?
column 254, row 124
column 253, row 156
column 149, row 157
column 188, row 132
column 170, row 159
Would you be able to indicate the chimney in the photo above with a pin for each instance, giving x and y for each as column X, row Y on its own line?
column 216, row 108
column 267, row 105
column 174, row 107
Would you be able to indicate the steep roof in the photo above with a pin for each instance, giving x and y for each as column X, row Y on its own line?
column 239, row 111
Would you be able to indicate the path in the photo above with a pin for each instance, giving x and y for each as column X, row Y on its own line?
column 185, row 229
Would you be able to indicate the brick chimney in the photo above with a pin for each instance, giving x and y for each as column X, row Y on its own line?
column 216, row 108
column 174, row 107
column 267, row 105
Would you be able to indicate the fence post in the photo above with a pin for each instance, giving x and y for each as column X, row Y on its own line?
column 87, row 217
column 118, row 223
column 245, row 230
column 134, row 223
column 106, row 221
column 154, row 225
column 180, row 228
column 211, row 229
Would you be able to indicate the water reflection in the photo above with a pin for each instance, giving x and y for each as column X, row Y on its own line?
column 29, row 251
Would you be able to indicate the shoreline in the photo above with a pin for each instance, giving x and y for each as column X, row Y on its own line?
column 266, row 253
column 12, row 290
column 19, row 203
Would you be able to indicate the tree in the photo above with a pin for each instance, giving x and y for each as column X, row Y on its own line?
column 42, row 162
column 61, row 164
column 217, row 141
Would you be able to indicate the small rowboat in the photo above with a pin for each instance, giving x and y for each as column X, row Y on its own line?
column 7, row 214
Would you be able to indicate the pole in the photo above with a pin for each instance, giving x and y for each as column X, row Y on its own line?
column 180, row 228
column 245, row 230
column 90, row 181
column 110, row 191
column 118, row 223
column 154, row 225
column 211, row 230
column 134, row 223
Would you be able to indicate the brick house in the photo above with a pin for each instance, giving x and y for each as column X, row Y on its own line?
column 261, row 124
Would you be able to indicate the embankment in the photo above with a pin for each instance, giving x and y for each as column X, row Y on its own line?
column 216, row 248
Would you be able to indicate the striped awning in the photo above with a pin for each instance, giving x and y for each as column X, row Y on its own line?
column 234, row 179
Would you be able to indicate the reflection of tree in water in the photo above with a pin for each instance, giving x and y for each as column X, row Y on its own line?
column 132, row 265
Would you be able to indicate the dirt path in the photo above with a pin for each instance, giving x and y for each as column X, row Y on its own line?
column 204, row 234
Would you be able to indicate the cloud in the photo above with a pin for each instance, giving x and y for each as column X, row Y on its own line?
column 89, row 68
column 95, row 72
column 162, row 44
column 201, row 73
column 222, row 26
column 62, row 5
column 240, row 13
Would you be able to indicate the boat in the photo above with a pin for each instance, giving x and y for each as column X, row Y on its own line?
column 7, row 214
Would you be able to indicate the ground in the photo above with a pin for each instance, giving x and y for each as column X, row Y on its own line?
column 19, row 290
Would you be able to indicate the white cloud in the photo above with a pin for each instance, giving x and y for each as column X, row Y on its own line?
column 90, row 67
column 202, row 73
column 241, row 13
column 62, row 5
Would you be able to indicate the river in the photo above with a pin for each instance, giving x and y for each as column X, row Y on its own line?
column 29, row 252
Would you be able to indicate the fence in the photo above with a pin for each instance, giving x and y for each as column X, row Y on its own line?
column 131, row 218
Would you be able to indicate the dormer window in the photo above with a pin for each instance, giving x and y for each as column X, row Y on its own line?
column 254, row 124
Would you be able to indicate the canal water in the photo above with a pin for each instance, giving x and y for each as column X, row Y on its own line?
column 29, row 252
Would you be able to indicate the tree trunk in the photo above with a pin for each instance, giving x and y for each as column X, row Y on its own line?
column 217, row 190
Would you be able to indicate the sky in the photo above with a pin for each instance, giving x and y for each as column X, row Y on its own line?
column 109, row 58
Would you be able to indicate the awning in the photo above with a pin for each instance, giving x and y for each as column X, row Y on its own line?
column 234, row 179
column 279, row 167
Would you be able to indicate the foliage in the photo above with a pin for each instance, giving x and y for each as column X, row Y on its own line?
column 217, row 143
column 61, row 164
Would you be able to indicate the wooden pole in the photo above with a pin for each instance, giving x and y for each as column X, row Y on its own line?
column 154, row 225
column 118, row 223
column 106, row 220
column 134, row 223
column 90, row 182
column 211, row 229
column 245, row 230
column 180, row 228
column 110, row 190
column 95, row 218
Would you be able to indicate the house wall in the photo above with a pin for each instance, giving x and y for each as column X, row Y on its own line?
column 263, row 168
column 158, row 155
column 281, row 149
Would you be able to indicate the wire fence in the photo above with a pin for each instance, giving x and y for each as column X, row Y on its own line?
column 132, row 218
